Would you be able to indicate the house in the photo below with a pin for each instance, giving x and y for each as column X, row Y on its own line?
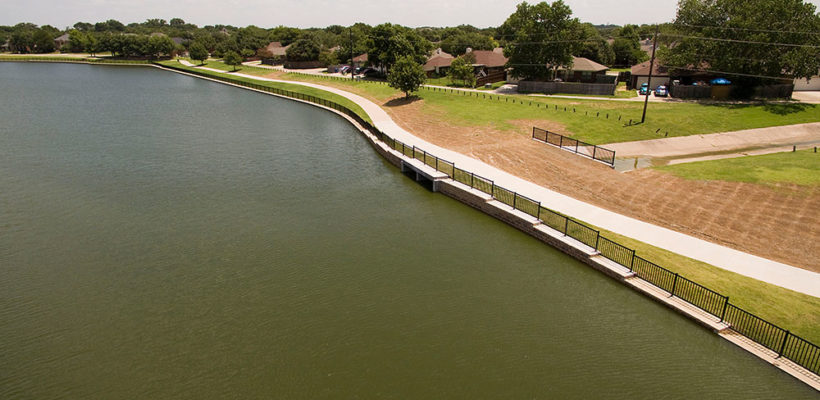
column 277, row 53
column 61, row 41
column 583, row 70
column 488, row 61
column 438, row 63
column 360, row 60
column 6, row 46
column 640, row 75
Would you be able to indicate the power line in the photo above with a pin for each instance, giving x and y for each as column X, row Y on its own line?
column 728, row 73
column 749, row 30
column 742, row 41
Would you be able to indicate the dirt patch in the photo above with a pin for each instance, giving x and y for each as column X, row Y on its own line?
column 779, row 223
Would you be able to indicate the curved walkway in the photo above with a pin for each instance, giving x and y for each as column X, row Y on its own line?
column 773, row 272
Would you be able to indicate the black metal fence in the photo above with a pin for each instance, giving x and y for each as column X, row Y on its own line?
column 769, row 335
column 592, row 151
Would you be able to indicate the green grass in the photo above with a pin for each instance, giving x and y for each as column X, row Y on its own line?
column 797, row 312
column 800, row 168
column 95, row 60
column 588, row 122
column 494, row 86
column 283, row 86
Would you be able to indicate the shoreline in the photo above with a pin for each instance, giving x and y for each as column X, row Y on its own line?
column 568, row 245
column 533, row 226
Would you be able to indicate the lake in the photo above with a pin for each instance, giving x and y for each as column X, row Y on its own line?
column 163, row 236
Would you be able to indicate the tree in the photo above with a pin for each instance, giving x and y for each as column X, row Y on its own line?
column 458, row 44
column 406, row 75
column 303, row 50
column 77, row 40
column 388, row 43
column 198, row 52
column 232, row 58
column 159, row 45
column 595, row 48
column 461, row 69
column 627, row 47
column 745, row 30
column 328, row 58
column 545, row 37
column 43, row 41
column 177, row 22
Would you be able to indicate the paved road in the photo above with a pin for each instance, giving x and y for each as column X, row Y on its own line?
column 779, row 274
column 777, row 136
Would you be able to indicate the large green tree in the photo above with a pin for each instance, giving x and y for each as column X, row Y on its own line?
column 458, row 44
column 303, row 50
column 627, row 47
column 388, row 43
column 771, row 38
column 198, row 52
column 406, row 75
column 233, row 58
column 541, row 38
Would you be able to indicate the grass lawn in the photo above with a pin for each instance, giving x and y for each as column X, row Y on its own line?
column 588, row 122
column 797, row 312
column 800, row 168
column 283, row 86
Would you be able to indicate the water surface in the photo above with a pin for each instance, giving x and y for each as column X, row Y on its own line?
column 167, row 237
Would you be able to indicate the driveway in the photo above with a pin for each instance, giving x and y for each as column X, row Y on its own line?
column 811, row 97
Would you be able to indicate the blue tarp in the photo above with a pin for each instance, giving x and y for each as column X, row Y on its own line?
column 721, row 81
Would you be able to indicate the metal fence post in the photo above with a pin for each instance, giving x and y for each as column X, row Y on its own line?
column 594, row 150
column 783, row 345
column 472, row 178
column 674, row 284
column 725, row 305
column 515, row 198
column 597, row 239
column 632, row 261
column 566, row 225
column 560, row 141
column 538, row 212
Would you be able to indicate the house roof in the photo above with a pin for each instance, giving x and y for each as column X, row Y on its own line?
column 276, row 48
column 360, row 58
column 642, row 69
column 489, row 58
column 439, row 60
column 62, row 38
column 583, row 64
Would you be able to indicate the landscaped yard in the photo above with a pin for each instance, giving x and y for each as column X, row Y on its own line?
column 800, row 168
column 593, row 121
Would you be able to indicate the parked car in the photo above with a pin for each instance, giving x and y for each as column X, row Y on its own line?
column 644, row 89
column 344, row 69
column 661, row 91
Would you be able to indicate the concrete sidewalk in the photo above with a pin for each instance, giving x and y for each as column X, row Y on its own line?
column 773, row 272
column 776, row 136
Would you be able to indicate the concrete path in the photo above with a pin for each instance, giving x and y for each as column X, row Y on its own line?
column 776, row 136
column 779, row 274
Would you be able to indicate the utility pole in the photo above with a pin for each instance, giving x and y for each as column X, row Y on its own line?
column 651, row 67
column 352, row 66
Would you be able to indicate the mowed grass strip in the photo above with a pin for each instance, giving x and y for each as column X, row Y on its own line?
column 799, row 168
column 592, row 121
column 797, row 312
column 282, row 86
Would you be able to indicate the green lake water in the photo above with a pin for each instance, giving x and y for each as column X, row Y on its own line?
column 165, row 237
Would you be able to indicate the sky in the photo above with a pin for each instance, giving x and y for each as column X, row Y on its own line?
column 321, row 13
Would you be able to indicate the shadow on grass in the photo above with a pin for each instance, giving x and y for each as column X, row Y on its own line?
column 402, row 101
column 779, row 108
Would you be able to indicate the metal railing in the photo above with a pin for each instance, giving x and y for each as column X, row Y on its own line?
column 592, row 151
column 769, row 335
